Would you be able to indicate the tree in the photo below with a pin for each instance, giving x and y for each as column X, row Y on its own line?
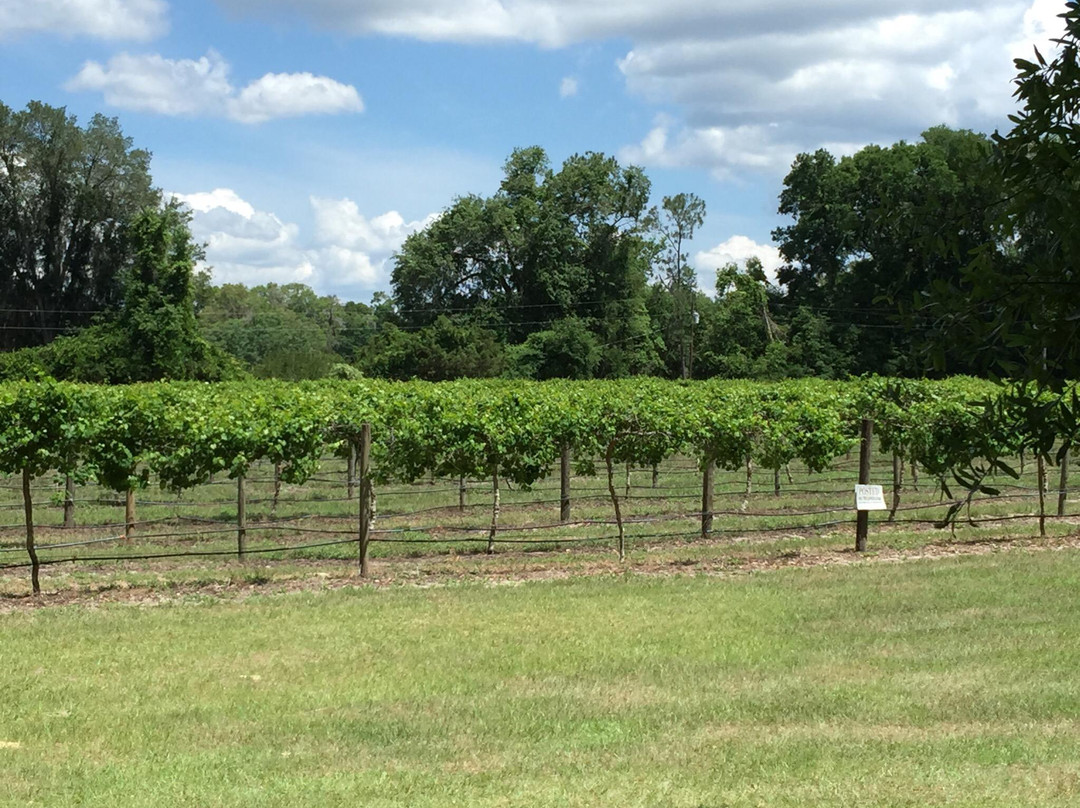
column 740, row 338
column 547, row 246
column 567, row 350
column 154, row 334
column 1016, row 305
column 447, row 349
column 281, row 331
column 158, row 314
column 874, row 231
column 68, row 195
column 679, row 216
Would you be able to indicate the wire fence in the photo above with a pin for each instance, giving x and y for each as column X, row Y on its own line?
column 320, row 519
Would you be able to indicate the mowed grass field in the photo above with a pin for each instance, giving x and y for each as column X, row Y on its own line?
column 935, row 682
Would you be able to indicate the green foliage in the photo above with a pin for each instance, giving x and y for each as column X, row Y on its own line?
column 344, row 372
column 551, row 253
column 182, row 432
column 158, row 319
column 1016, row 306
column 446, row 349
column 68, row 195
column 567, row 350
column 739, row 337
column 154, row 334
column 275, row 331
column 675, row 222
column 44, row 425
column 873, row 232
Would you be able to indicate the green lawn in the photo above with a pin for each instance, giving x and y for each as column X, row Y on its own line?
column 948, row 682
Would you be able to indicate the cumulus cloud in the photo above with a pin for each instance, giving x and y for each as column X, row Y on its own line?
column 756, row 101
column 725, row 150
column 736, row 250
column 568, row 87
column 356, row 249
column 245, row 245
column 282, row 95
column 339, row 221
column 201, row 87
column 754, row 82
column 102, row 19
column 349, row 254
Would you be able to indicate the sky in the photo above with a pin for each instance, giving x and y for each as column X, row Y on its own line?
column 310, row 137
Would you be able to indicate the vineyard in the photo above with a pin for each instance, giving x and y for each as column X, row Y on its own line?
column 336, row 470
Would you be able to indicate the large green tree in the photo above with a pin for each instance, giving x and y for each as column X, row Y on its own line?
column 739, row 335
column 153, row 334
column 68, row 196
column 547, row 246
column 1016, row 306
column 871, row 233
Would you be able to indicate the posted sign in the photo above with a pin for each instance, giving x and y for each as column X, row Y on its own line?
column 870, row 498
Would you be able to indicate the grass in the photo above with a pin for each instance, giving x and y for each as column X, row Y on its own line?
column 947, row 682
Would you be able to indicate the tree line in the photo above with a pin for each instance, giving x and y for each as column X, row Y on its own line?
column 952, row 254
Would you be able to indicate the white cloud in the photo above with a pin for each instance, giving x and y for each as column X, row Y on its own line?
column 245, row 245
column 339, row 221
column 152, row 83
column 223, row 198
column 281, row 95
column 140, row 20
column 201, row 87
column 755, row 82
column 1041, row 25
column 725, row 150
column 756, row 101
column 349, row 254
column 568, row 87
column 736, row 250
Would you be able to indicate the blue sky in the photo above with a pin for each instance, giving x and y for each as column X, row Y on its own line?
column 311, row 136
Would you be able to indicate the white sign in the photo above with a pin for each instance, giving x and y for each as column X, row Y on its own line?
column 870, row 498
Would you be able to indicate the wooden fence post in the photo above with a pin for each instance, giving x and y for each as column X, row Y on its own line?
column 1040, row 474
column 862, row 519
column 277, row 489
column 28, row 507
column 365, row 498
column 241, row 517
column 615, row 499
column 69, row 502
column 129, row 514
column 749, row 483
column 897, row 483
column 494, row 510
column 707, row 489
column 564, row 484
column 1063, row 483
